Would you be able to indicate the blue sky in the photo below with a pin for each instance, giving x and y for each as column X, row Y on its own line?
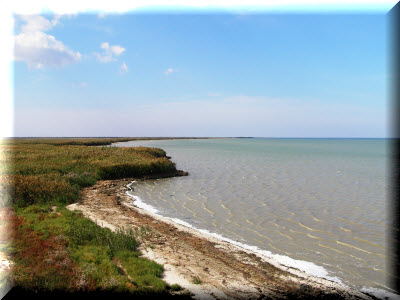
column 199, row 74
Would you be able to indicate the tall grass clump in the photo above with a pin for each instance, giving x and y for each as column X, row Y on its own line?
column 83, row 231
column 32, row 189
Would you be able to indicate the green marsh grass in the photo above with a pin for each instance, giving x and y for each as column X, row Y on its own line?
column 42, row 172
column 59, row 250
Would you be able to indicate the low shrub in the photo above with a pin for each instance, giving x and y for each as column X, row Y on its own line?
column 175, row 287
column 197, row 280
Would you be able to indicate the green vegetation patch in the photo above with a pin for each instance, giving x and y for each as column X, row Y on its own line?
column 197, row 280
column 176, row 287
column 59, row 250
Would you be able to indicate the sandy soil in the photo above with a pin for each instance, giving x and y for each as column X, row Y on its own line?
column 221, row 270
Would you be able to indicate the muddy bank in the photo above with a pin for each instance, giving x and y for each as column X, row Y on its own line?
column 207, row 267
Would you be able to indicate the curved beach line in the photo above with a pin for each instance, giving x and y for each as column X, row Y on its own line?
column 282, row 260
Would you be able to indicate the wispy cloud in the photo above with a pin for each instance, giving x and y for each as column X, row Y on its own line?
column 39, row 49
column 79, row 85
column 170, row 71
column 109, row 52
column 123, row 68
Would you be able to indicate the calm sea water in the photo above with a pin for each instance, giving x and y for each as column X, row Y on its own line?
column 322, row 201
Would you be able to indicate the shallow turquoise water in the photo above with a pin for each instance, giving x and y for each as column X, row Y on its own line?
column 323, row 201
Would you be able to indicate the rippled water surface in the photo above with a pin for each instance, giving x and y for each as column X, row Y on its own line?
column 316, row 200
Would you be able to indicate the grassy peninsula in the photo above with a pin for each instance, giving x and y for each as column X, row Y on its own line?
column 54, row 250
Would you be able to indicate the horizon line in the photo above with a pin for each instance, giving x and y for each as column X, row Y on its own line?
column 260, row 137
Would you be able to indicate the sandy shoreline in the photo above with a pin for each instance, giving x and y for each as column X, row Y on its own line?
column 226, row 271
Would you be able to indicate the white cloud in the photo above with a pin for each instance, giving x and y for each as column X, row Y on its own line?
column 117, row 50
column 39, row 49
column 109, row 52
column 57, row 17
column 35, row 23
column 169, row 71
column 123, row 68
column 105, row 45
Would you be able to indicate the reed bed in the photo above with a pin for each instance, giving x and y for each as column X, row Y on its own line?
column 41, row 172
column 55, row 250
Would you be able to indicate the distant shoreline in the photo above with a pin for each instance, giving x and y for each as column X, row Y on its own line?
column 194, row 138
